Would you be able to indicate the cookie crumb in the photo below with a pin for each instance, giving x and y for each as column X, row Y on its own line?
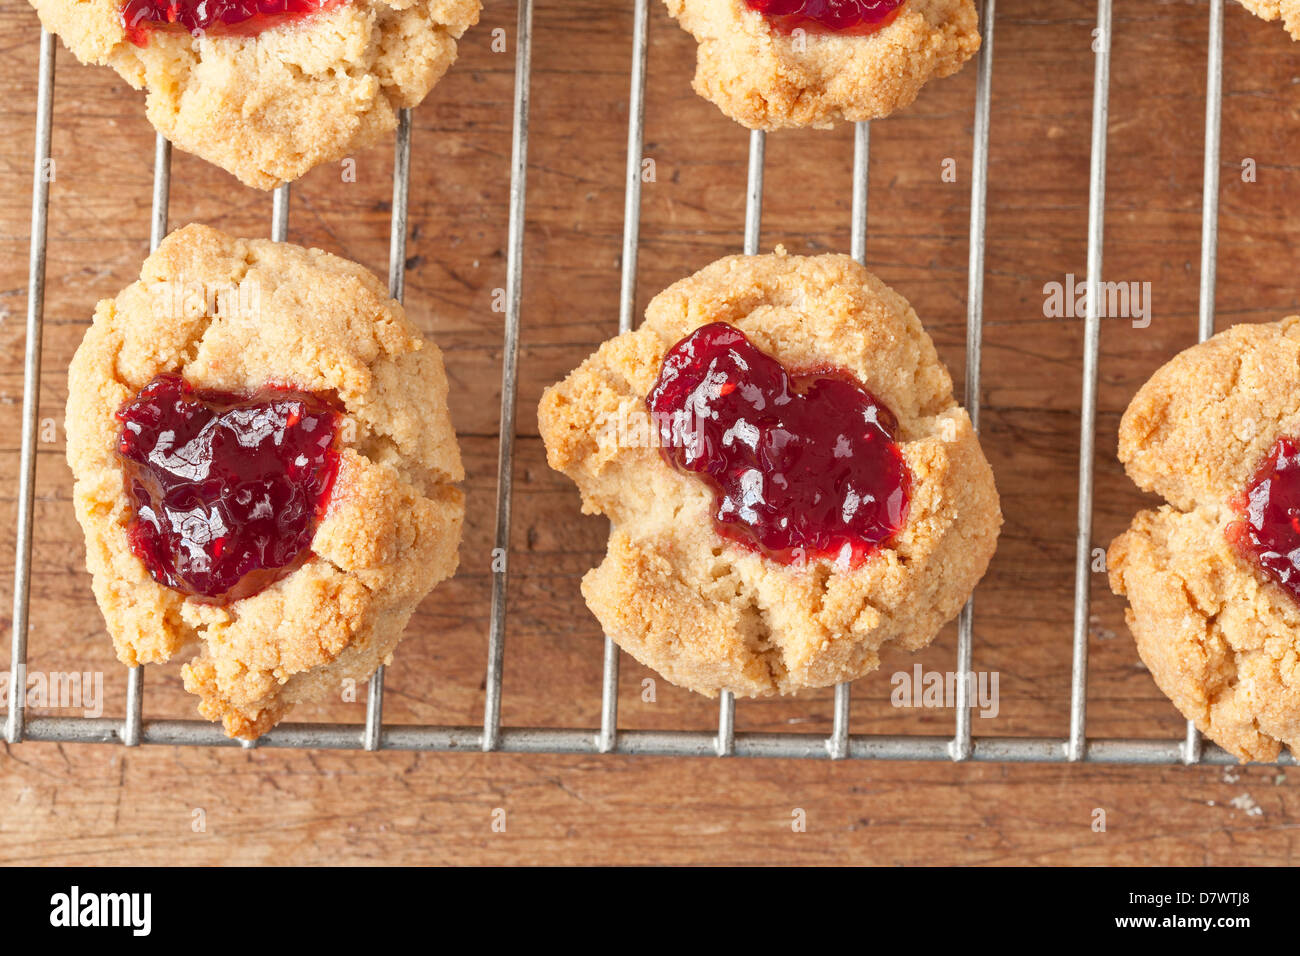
column 1246, row 803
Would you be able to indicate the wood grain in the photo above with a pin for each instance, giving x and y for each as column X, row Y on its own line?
column 101, row 804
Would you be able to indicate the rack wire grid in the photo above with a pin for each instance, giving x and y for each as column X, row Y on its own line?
column 134, row 730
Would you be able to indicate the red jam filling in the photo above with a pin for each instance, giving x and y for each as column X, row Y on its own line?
column 246, row 17
column 803, row 466
column 226, row 490
column 1269, row 530
column 854, row 17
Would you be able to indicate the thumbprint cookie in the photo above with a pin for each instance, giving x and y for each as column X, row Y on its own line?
column 265, row 471
column 775, row 64
column 789, row 482
column 1212, row 576
column 269, row 89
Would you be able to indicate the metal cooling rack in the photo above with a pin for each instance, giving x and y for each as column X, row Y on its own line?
column 133, row 729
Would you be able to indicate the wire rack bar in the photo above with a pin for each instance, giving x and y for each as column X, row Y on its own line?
column 509, row 371
column 280, row 213
column 401, row 202
column 1210, row 188
column 373, row 734
column 397, row 289
column 635, row 157
column 837, row 744
column 1088, row 401
column 31, row 386
column 754, row 192
column 1192, row 743
column 861, row 188
column 632, row 742
column 162, row 191
column 627, row 305
column 979, row 191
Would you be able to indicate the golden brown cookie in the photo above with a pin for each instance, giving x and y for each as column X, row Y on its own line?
column 1288, row 11
column 767, row 78
column 1220, row 637
column 240, row 316
column 268, row 106
column 710, row 614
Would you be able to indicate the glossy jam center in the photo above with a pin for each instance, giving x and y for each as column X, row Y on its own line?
column 140, row 17
column 1269, row 530
column 803, row 466
column 226, row 490
column 858, row 17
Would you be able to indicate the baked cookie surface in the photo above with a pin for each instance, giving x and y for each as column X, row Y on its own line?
column 235, row 316
column 270, row 106
column 1288, row 11
column 709, row 614
column 1221, row 640
column 767, row 80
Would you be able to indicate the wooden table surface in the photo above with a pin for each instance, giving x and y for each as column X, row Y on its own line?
column 100, row 804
